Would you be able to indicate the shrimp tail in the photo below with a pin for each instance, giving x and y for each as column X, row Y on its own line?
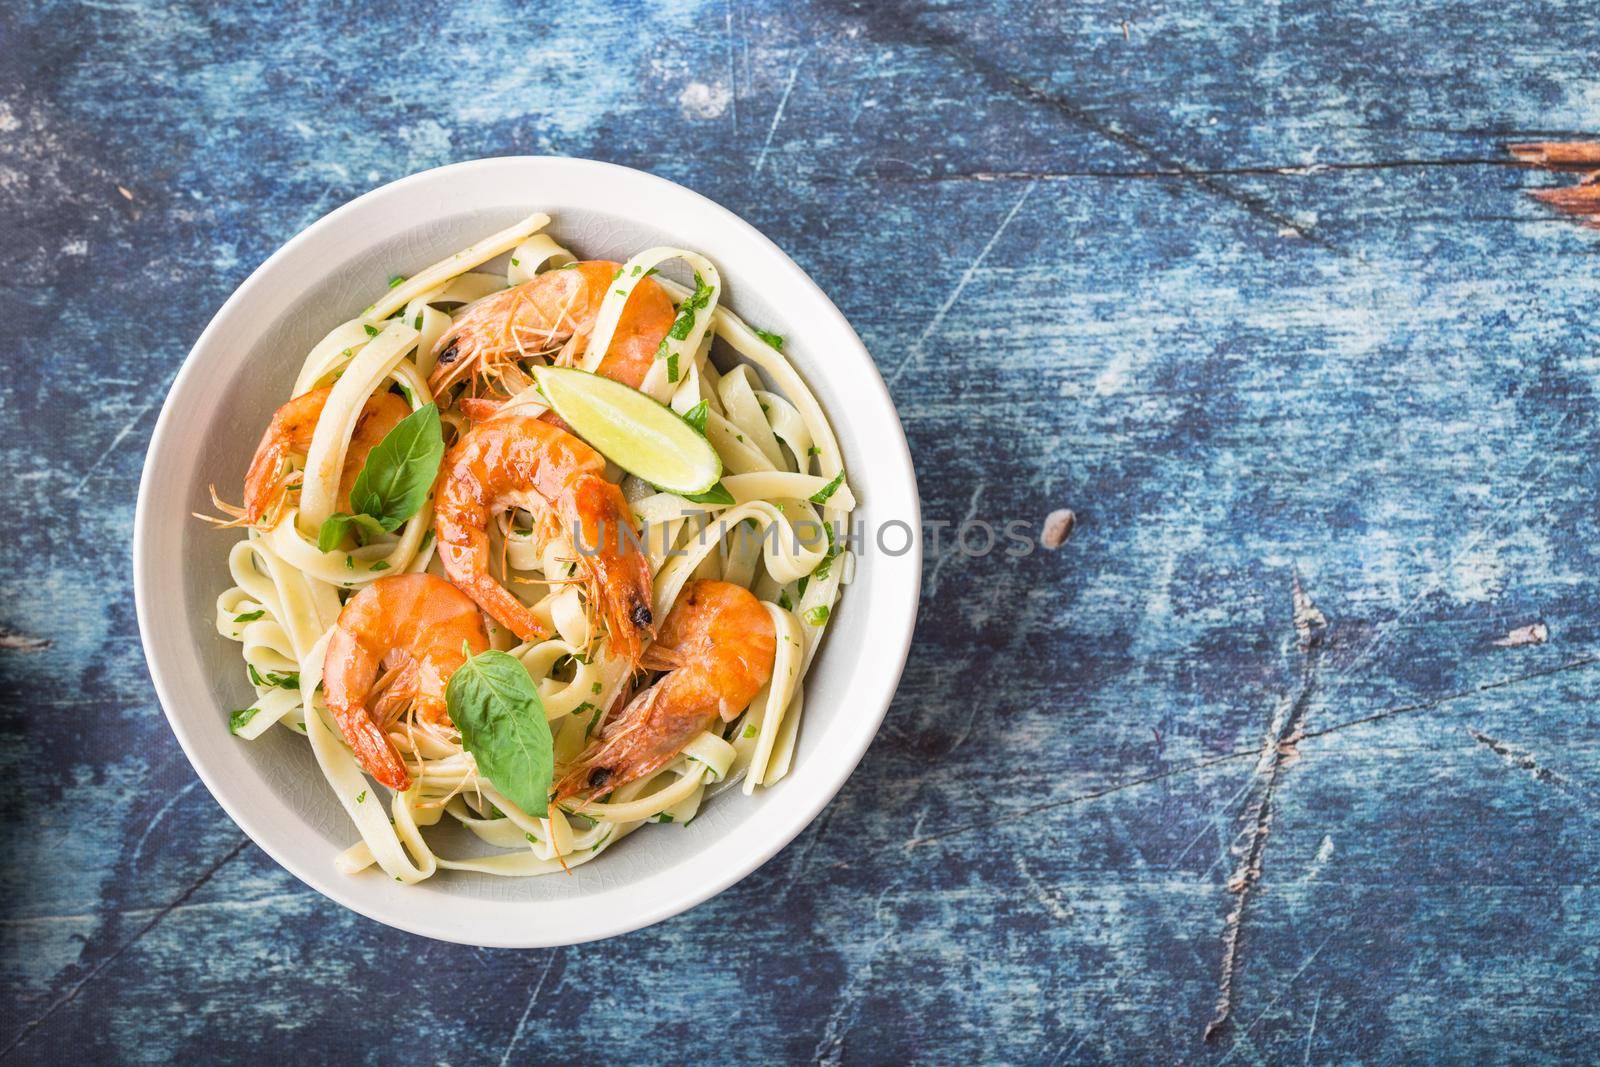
column 495, row 598
column 597, row 514
column 637, row 746
column 372, row 748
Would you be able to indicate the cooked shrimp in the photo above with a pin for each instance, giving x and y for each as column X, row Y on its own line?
column 289, row 433
column 419, row 628
column 718, row 644
column 541, row 315
column 516, row 461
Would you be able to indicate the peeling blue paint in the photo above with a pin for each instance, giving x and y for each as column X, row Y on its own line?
column 1251, row 288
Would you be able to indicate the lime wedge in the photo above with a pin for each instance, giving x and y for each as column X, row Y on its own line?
column 632, row 430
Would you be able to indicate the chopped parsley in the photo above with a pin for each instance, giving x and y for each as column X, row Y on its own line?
column 515, row 262
column 597, row 688
column 672, row 367
column 683, row 325
column 361, row 797
column 287, row 680
column 772, row 339
column 395, row 280
column 784, row 602
column 821, row 495
column 381, row 565
column 829, row 556
column 749, row 730
column 818, row 615
column 372, row 331
column 240, row 718
column 250, row 616
column 697, row 415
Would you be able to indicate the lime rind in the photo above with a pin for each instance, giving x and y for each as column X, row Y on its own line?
column 639, row 434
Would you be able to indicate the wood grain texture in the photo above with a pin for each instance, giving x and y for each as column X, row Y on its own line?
column 1252, row 288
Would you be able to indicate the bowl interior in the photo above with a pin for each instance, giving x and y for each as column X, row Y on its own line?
column 244, row 365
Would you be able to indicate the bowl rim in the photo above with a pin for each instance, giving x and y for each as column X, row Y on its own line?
column 888, row 661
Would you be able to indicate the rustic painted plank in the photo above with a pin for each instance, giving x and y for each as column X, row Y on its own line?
column 1252, row 288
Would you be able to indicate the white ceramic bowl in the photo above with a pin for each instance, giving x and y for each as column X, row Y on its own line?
column 210, row 424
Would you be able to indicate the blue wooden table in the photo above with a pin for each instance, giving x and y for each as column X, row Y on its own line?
column 1296, row 735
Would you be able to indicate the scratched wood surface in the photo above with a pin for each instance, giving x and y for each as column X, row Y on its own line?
column 1251, row 287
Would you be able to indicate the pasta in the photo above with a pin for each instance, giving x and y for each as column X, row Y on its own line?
column 348, row 508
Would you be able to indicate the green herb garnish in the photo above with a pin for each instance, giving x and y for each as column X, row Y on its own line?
column 250, row 616
column 372, row 331
column 818, row 615
column 337, row 525
column 717, row 494
column 821, row 495
column 287, row 680
column 683, row 325
column 238, row 720
column 697, row 415
column 494, row 703
column 829, row 556
column 400, row 471
column 771, row 338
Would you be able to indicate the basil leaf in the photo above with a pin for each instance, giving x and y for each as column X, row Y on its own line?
column 337, row 525
column 717, row 494
column 250, row 616
column 696, row 417
column 400, row 471
column 821, row 495
column 497, row 708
